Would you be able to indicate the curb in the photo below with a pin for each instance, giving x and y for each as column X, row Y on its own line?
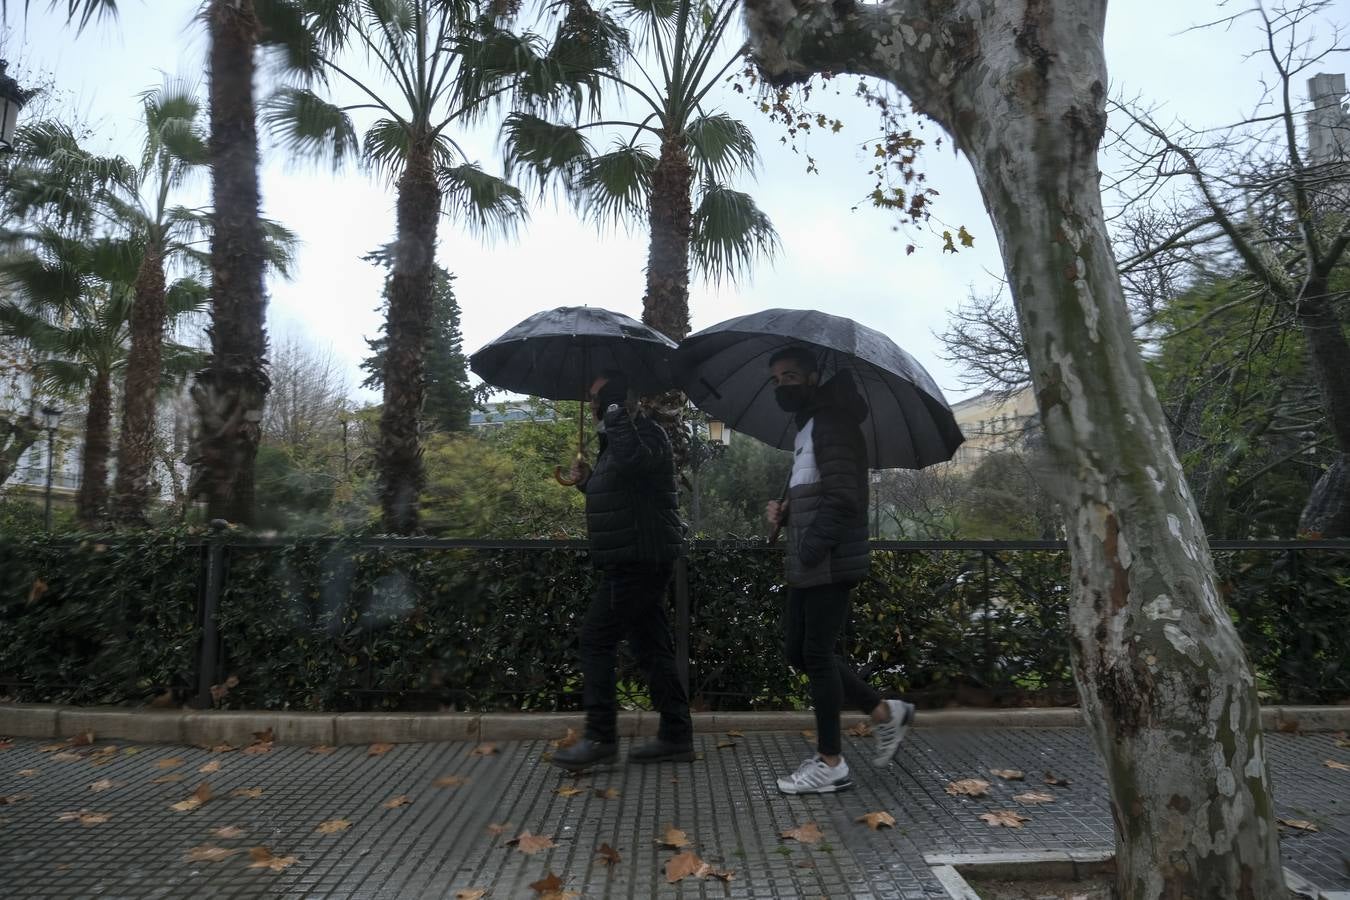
column 237, row 726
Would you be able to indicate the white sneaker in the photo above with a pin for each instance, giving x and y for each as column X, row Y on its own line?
column 890, row 733
column 814, row 776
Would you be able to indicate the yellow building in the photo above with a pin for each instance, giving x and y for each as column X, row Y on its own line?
column 992, row 424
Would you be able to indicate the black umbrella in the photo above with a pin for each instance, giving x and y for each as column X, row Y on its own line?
column 725, row 372
column 556, row 354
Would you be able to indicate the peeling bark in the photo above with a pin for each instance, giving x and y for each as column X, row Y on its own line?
column 231, row 390
column 136, row 441
column 408, row 330
column 1166, row 689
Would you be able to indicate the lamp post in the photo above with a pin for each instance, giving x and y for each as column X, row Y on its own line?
column 51, row 417
column 12, row 100
column 876, row 505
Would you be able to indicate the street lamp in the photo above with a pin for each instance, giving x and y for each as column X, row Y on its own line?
column 719, row 433
column 51, row 417
column 12, row 99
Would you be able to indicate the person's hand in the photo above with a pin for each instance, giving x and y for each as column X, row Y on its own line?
column 776, row 511
column 580, row 472
column 615, row 390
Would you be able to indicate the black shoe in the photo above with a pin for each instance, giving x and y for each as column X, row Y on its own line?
column 659, row 750
column 584, row 754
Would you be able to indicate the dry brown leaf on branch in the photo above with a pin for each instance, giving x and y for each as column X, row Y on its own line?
column 1006, row 818
column 450, row 781
column 569, row 791
column 607, row 793
column 485, row 750
column 809, row 833
column 495, row 829
column 262, row 858
column 471, row 894
column 379, row 749
column 396, row 802
column 673, row 838
column 1031, row 798
column 322, row 749
column 1056, row 781
column 104, row 784
column 608, row 854
column 333, row 826
column 228, row 832
column 1332, row 764
column 210, row 768
column 210, row 853
column 877, row 820
column 247, row 793
column 531, row 843
column 1008, row 774
column 28, row 773
column 567, row 740
column 173, row 778
column 1298, row 824
column 968, row 787
column 84, row 817
column 862, row 729
column 172, row 762
column 199, row 798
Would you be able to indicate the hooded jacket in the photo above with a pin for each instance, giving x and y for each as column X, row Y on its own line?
column 827, row 539
column 632, row 504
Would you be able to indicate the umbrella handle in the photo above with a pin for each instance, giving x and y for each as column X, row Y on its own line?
column 778, row 527
column 562, row 479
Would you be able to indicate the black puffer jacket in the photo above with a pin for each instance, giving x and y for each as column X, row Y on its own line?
column 631, row 500
column 827, row 497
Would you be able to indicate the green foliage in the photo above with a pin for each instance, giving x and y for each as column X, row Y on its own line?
column 734, row 486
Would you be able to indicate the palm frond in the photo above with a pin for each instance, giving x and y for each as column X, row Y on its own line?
column 308, row 125
column 720, row 146
column 385, row 145
column 327, row 21
column 613, row 188
column 544, row 150
column 184, row 296
column 186, row 225
column 497, row 63
column 52, row 176
column 178, row 362
column 279, row 246
column 285, row 31
column 729, row 233
column 586, row 43
column 86, row 10
column 55, row 375
column 486, row 203
column 173, row 123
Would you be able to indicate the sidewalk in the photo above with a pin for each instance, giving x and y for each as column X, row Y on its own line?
column 131, row 842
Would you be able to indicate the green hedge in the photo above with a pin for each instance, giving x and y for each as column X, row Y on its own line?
column 346, row 625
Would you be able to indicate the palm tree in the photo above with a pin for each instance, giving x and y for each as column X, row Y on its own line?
column 430, row 56
column 654, row 160
column 72, row 300
column 85, row 10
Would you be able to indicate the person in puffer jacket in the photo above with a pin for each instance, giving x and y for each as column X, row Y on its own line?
column 633, row 522
column 825, row 513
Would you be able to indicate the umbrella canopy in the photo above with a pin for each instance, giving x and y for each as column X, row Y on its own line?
column 556, row 354
column 725, row 372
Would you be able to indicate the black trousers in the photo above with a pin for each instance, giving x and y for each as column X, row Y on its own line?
column 631, row 603
column 814, row 619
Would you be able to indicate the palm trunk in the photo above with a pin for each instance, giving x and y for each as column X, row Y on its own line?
column 408, row 330
column 136, row 442
column 92, row 499
column 1327, row 512
column 1166, row 689
column 231, row 391
column 666, row 305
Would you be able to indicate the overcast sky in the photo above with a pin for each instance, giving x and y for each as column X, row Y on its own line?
column 835, row 257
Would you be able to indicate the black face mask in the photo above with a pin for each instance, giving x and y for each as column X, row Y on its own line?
column 792, row 397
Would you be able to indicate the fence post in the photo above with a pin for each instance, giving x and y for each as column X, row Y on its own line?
column 989, row 664
column 682, row 621
column 208, row 651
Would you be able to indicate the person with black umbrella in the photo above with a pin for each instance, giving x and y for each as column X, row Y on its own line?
column 825, row 512
column 636, row 535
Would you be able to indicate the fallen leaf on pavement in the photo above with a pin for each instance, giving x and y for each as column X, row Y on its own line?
column 400, row 800
column 877, row 820
column 1289, row 726
column 52, row 748
column 322, row 749
column 532, row 843
column 263, row 859
column 808, row 734
column 567, row 740
column 471, row 894
column 103, row 785
column 968, row 787
column 84, row 817
column 608, row 854
column 258, row 747
column 1299, row 824
column 172, row 762
column 169, row 779
column 735, row 734
column 67, row 756
column 84, row 739
column 809, row 833
column 607, row 793
column 547, row 885
column 862, row 729
column 28, row 773
column 14, row 798
column 484, row 750
column 198, row 798
column 725, row 745
column 6, row 744
column 333, row 826
column 450, row 781
column 224, row 747
column 210, row 853
column 1006, row 818
column 248, row 793
column 495, row 829
column 210, row 768
column 674, row 838
column 379, row 749
column 1332, row 764
column 683, row 866
column 1008, row 774
column 228, row 832
column 1034, row 797
column 265, row 736
column 567, row 791
column 1055, row 781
